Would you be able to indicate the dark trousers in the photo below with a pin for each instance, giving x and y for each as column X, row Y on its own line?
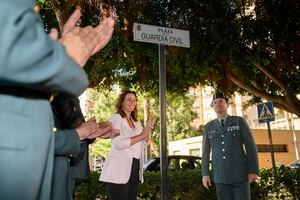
column 129, row 190
column 235, row 191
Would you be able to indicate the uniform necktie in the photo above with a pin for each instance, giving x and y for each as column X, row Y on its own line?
column 222, row 123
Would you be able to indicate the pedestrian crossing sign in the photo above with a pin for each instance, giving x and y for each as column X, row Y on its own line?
column 265, row 112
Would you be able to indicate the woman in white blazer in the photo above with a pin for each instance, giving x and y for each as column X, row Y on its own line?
column 123, row 167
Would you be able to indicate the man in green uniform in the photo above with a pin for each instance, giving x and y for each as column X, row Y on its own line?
column 70, row 139
column 233, row 151
column 32, row 65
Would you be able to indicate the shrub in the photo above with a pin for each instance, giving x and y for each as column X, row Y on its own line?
column 182, row 185
column 90, row 188
column 279, row 183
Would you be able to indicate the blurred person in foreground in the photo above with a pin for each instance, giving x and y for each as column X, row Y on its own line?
column 32, row 66
column 72, row 140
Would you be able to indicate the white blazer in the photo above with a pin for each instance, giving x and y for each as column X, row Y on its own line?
column 117, row 166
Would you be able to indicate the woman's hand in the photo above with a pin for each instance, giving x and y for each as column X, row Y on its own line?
column 148, row 128
column 149, row 124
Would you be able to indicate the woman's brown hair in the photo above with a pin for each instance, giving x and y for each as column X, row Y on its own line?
column 134, row 113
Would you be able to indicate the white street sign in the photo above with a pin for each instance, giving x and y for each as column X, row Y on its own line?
column 161, row 35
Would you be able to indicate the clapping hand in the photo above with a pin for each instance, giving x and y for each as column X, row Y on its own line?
column 87, row 128
column 148, row 128
column 102, row 130
column 110, row 134
column 81, row 43
column 150, row 124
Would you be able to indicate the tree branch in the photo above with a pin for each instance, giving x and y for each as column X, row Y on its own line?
column 255, row 84
column 278, row 101
column 271, row 76
column 253, row 90
column 284, row 107
column 292, row 99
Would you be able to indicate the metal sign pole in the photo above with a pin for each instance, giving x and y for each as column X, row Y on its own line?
column 162, row 36
column 271, row 145
column 163, row 127
column 266, row 114
column 294, row 137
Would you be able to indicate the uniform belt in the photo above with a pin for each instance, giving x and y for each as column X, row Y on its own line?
column 23, row 92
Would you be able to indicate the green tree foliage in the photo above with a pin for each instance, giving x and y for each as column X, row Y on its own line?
column 104, row 106
column 247, row 46
column 179, row 117
column 99, row 148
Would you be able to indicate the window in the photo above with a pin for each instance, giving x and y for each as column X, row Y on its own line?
column 176, row 152
column 195, row 152
column 186, row 164
column 276, row 148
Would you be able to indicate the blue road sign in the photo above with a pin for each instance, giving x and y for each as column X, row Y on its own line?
column 265, row 112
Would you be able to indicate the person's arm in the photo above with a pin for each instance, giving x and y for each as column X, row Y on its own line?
column 250, row 146
column 30, row 58
column 121, row 142
column 145, row 134
column 140, row 137
column 88, row 129
column 67, row 143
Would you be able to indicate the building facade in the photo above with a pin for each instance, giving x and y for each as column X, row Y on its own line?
column 238, row 106
column 285, row 149
column 285, row 129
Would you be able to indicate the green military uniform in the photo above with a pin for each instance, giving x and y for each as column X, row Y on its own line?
column 67, row 143
column 234, row 154
column 80, row 167
column 71, row 154
column 31, row 64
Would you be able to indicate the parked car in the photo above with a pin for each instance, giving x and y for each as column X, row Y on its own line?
column 295, row 164
column 174, row 162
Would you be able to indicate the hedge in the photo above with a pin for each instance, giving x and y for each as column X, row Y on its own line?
column 279, row 183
